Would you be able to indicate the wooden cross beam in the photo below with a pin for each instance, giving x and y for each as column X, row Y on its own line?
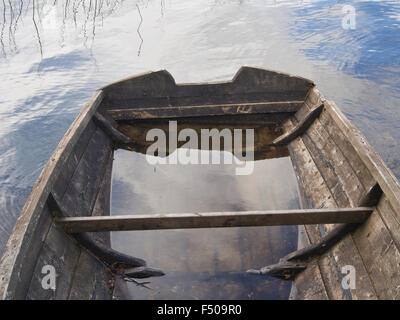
column 204, row 110
column 214, row 219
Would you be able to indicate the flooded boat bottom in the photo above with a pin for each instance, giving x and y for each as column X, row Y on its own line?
column 205, row 263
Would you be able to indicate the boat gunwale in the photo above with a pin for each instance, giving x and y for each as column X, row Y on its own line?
column 19, row 240
column 372, row 160
column 379, row 174
column 205, row 83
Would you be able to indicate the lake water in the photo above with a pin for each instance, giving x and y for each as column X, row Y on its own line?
column 207, row 263
column 54, row 54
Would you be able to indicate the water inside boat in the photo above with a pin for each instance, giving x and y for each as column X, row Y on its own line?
column 206, row 263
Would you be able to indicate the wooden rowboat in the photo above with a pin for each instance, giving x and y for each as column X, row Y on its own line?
column 350, row 213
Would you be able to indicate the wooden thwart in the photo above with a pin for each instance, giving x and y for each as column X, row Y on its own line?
column 214, row 219
column 192, row 111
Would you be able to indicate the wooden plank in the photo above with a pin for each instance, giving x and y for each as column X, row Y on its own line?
column 158, row 89
column 383, row 266
column 73, row 160
column 204, row 110
column 301, row 288
column 300, row 127
column 308, row 285
column 347, row 189
column 83, row 187
column 319, row 140
column 318, row 194
column 342, row 254
column 338, row 174
column 208, row 100
column 347, row 150
column 390, row 219
column 380, row 255
column 61, row 252
column 102, row 203
column 15, row 266
column 213, row 219
column 382, row 174
column 333, row 140
column 91, row 281
column 385, row 216
column 315, row 193
column 264, row 133
column 31, row 253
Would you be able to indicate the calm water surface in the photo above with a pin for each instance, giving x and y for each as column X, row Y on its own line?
column 207, row 263
column 54, row 54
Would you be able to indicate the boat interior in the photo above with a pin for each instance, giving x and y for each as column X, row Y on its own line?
column 344, row 209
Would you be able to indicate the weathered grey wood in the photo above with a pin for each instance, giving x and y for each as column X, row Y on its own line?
column 344, row 146
column 338, row 173
column 376, row 240
column 285, row 270
column 83, row 187
column 31, row 254
column 107, row 255
column 205, row 100
column 372, row 197
column 308, row 285
column 62, row 253
column 16, row 266
column 300, row 128
column 290, row 264
column 329, row 240
column 102, row 252
column 158, row 89
column 73, row 160
column 102, row 203
column 383, row 277
column 266, row 128
column 143, row 272
column 204, row 110
column 89, row 279
column 338, row 179
column 110, row 130
column 389, row 218
column 380, row 255
column 317, row 194
column 382, row 174
column 213, row 220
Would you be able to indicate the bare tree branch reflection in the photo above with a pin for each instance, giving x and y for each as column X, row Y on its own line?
column 84, row 15
column 10, row 29
column 2, row 30
column 37, row 29
column 21, row 6
column 138, row 30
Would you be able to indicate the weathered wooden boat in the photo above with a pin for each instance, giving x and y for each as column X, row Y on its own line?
column 350, row 199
